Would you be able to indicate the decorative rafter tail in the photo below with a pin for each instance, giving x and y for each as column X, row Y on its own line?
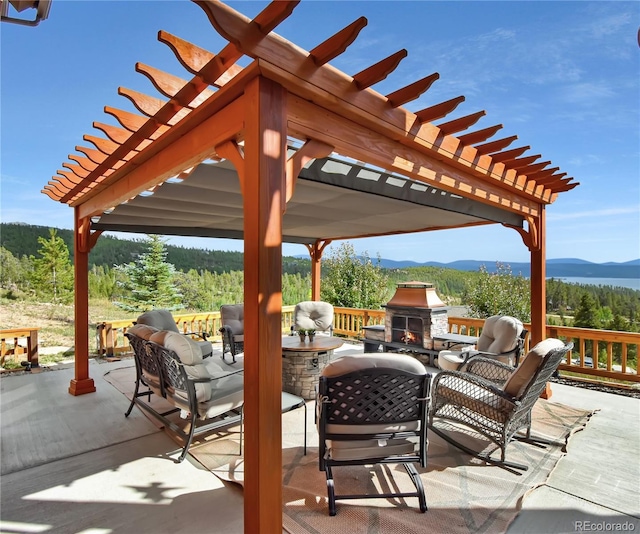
column 509, row 154
column 480, row 135
column 525, row 165
column 190, row 56
column 117, row 135
column 411, row 92
column 94, row 155
column 77, row 170
column 495, row 146
column 170, row 85
column 85, row 163
column 105, row 146
column 51, row 194
column 238, row 29
column 337, row 43
column 378, row 71
column 74, row 179
column 439, row 111
column 457, row 125
column 541, row 176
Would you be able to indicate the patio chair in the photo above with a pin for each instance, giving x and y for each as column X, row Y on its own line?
column 232, row 331
column 313, row 315
column 163, row 320
column 502, row 338
column 207, row 396
column 492, row 400
column 372, row 409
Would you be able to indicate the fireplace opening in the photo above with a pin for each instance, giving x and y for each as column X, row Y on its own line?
column 407, row 329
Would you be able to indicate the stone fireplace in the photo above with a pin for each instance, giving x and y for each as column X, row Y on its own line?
column 414, row 315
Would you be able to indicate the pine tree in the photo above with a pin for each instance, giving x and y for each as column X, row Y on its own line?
column 149, row 282
column 587, row 314
column 52, row 275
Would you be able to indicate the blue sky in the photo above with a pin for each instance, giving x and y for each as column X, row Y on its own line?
column 563, row 76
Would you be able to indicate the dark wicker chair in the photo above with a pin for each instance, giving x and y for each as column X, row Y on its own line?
column 494, row 400
column 372, row 409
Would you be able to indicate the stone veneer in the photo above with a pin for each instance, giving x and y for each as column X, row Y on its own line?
column 300, row 371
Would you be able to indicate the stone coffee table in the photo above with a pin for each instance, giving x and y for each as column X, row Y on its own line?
column 303, row 361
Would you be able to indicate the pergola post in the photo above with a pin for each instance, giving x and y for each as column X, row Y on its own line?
column 315, row 251
column 538, row 281
column 81, row 383
column 264, row 202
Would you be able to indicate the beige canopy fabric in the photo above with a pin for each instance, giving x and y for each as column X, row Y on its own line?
column 333, row 199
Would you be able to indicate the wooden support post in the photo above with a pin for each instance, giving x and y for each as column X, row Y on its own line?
column 539, row 287
column 538, row 282
column 264, row 201
column 315, row 251
column 81, row 383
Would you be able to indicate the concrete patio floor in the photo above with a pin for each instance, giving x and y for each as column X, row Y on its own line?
column 76, row 465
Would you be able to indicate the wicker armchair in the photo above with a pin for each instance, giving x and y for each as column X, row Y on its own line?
column 372, row 409
column 494, row 400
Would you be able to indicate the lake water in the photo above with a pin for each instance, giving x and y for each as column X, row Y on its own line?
column 632, row 283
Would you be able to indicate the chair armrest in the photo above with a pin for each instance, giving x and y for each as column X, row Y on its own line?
column 204, row 380
column 203, row 335
column 225, row 329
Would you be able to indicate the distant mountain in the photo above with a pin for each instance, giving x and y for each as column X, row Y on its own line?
column 556, row 268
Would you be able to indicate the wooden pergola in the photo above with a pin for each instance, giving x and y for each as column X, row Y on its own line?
column 249, row 117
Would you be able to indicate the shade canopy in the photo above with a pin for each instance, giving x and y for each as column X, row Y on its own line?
column 333, row 199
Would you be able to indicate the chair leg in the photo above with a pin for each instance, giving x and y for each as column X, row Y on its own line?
column 192, row 430
column 133, row 399
column 331, row 491
column 417, row 482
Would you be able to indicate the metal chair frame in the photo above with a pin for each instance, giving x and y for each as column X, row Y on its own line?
column 373, row 396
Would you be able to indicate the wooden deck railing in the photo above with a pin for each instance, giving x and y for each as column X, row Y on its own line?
column 111, row 339
column 349, row 322
column 15, row 336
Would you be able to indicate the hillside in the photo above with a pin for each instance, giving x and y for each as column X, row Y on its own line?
column 22, row 239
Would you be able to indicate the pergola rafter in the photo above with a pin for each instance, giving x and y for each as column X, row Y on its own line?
column 434, row 177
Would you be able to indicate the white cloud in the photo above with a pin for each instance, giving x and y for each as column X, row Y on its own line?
column 594, row 213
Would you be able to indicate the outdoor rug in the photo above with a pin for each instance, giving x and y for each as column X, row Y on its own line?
column 464, row 494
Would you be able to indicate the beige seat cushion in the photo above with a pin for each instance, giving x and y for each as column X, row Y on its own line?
column 142, row 331
column 159, row 319
column 520, row 378
column 499, row 334
column 232, row 315
column 190, row 355
column 313, row 315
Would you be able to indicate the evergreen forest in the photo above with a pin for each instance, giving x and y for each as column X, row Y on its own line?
column 34, row 264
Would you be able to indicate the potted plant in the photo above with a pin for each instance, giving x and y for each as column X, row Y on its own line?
column 302, row 333
column 311, row 334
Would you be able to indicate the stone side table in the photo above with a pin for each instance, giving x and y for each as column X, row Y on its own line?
column 303, row 361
